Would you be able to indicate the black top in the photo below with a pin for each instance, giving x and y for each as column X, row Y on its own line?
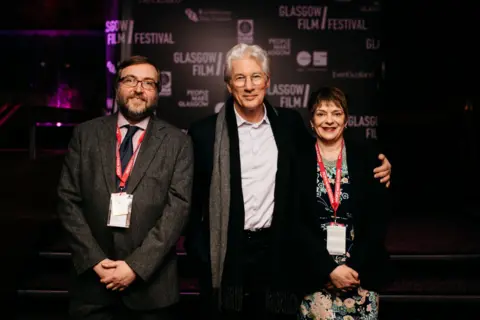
column 369, row 209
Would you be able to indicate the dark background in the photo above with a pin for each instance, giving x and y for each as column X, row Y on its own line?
column 431, row 73
column 426, row 129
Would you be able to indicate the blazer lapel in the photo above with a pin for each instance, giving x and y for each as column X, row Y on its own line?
column 148, row 150
column 356, row 173
column 107, row 143
column 280, row 134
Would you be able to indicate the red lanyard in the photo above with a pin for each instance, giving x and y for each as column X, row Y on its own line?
column 128, row 169
column 335, row 202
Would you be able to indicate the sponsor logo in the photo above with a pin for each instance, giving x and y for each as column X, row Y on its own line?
column 352, row 75
column 279, row 46
column 315, row 61
column 194, row 99
column 208, row 15
column 166, row 84
column 245, row 31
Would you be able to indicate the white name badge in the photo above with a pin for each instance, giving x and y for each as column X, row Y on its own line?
column 120, row 210
column 336, row 239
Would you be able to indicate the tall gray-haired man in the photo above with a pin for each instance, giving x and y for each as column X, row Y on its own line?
column 242, row 202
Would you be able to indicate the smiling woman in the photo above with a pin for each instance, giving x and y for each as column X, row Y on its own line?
column 329, row 120
column 345, row 273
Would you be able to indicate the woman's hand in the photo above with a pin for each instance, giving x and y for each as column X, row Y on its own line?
column 344, row 278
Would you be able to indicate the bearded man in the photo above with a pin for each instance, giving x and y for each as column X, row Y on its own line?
column 124, row 198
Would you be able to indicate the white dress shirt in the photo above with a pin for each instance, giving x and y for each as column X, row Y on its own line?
column 258, row 161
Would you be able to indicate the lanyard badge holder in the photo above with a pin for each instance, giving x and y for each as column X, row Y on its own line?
column 120, row 209
column 336, row 234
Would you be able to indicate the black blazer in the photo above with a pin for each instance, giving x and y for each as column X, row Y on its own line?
column 370, row 205
column 288, row 129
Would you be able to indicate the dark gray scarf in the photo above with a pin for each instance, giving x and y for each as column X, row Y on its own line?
column 219, row 201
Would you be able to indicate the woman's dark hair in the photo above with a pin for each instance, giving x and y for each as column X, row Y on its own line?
column 328, row 94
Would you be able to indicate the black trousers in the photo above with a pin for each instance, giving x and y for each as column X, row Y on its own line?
column 84, row 311
column 256, row 268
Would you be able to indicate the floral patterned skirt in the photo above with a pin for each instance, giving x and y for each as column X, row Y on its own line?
column 352, row 305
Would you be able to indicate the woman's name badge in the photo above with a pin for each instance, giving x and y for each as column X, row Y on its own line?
column 336, row 239
column 120, row 210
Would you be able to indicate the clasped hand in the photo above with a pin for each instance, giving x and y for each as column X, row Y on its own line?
column 343, row 278
column 116, row 275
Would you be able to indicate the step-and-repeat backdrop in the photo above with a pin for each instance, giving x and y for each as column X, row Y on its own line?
column 311, row 44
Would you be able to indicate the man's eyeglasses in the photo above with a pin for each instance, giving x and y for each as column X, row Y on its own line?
column 257, row 79
column 132, row 82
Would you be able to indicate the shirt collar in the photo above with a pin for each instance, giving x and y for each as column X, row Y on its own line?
column 123, row 122
column 241, row 121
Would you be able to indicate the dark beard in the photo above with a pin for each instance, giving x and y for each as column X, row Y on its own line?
column 134, row 116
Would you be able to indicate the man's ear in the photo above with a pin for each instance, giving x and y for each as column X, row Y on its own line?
column 267, row 85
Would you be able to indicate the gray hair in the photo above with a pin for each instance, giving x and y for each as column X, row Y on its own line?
column 243, row 50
